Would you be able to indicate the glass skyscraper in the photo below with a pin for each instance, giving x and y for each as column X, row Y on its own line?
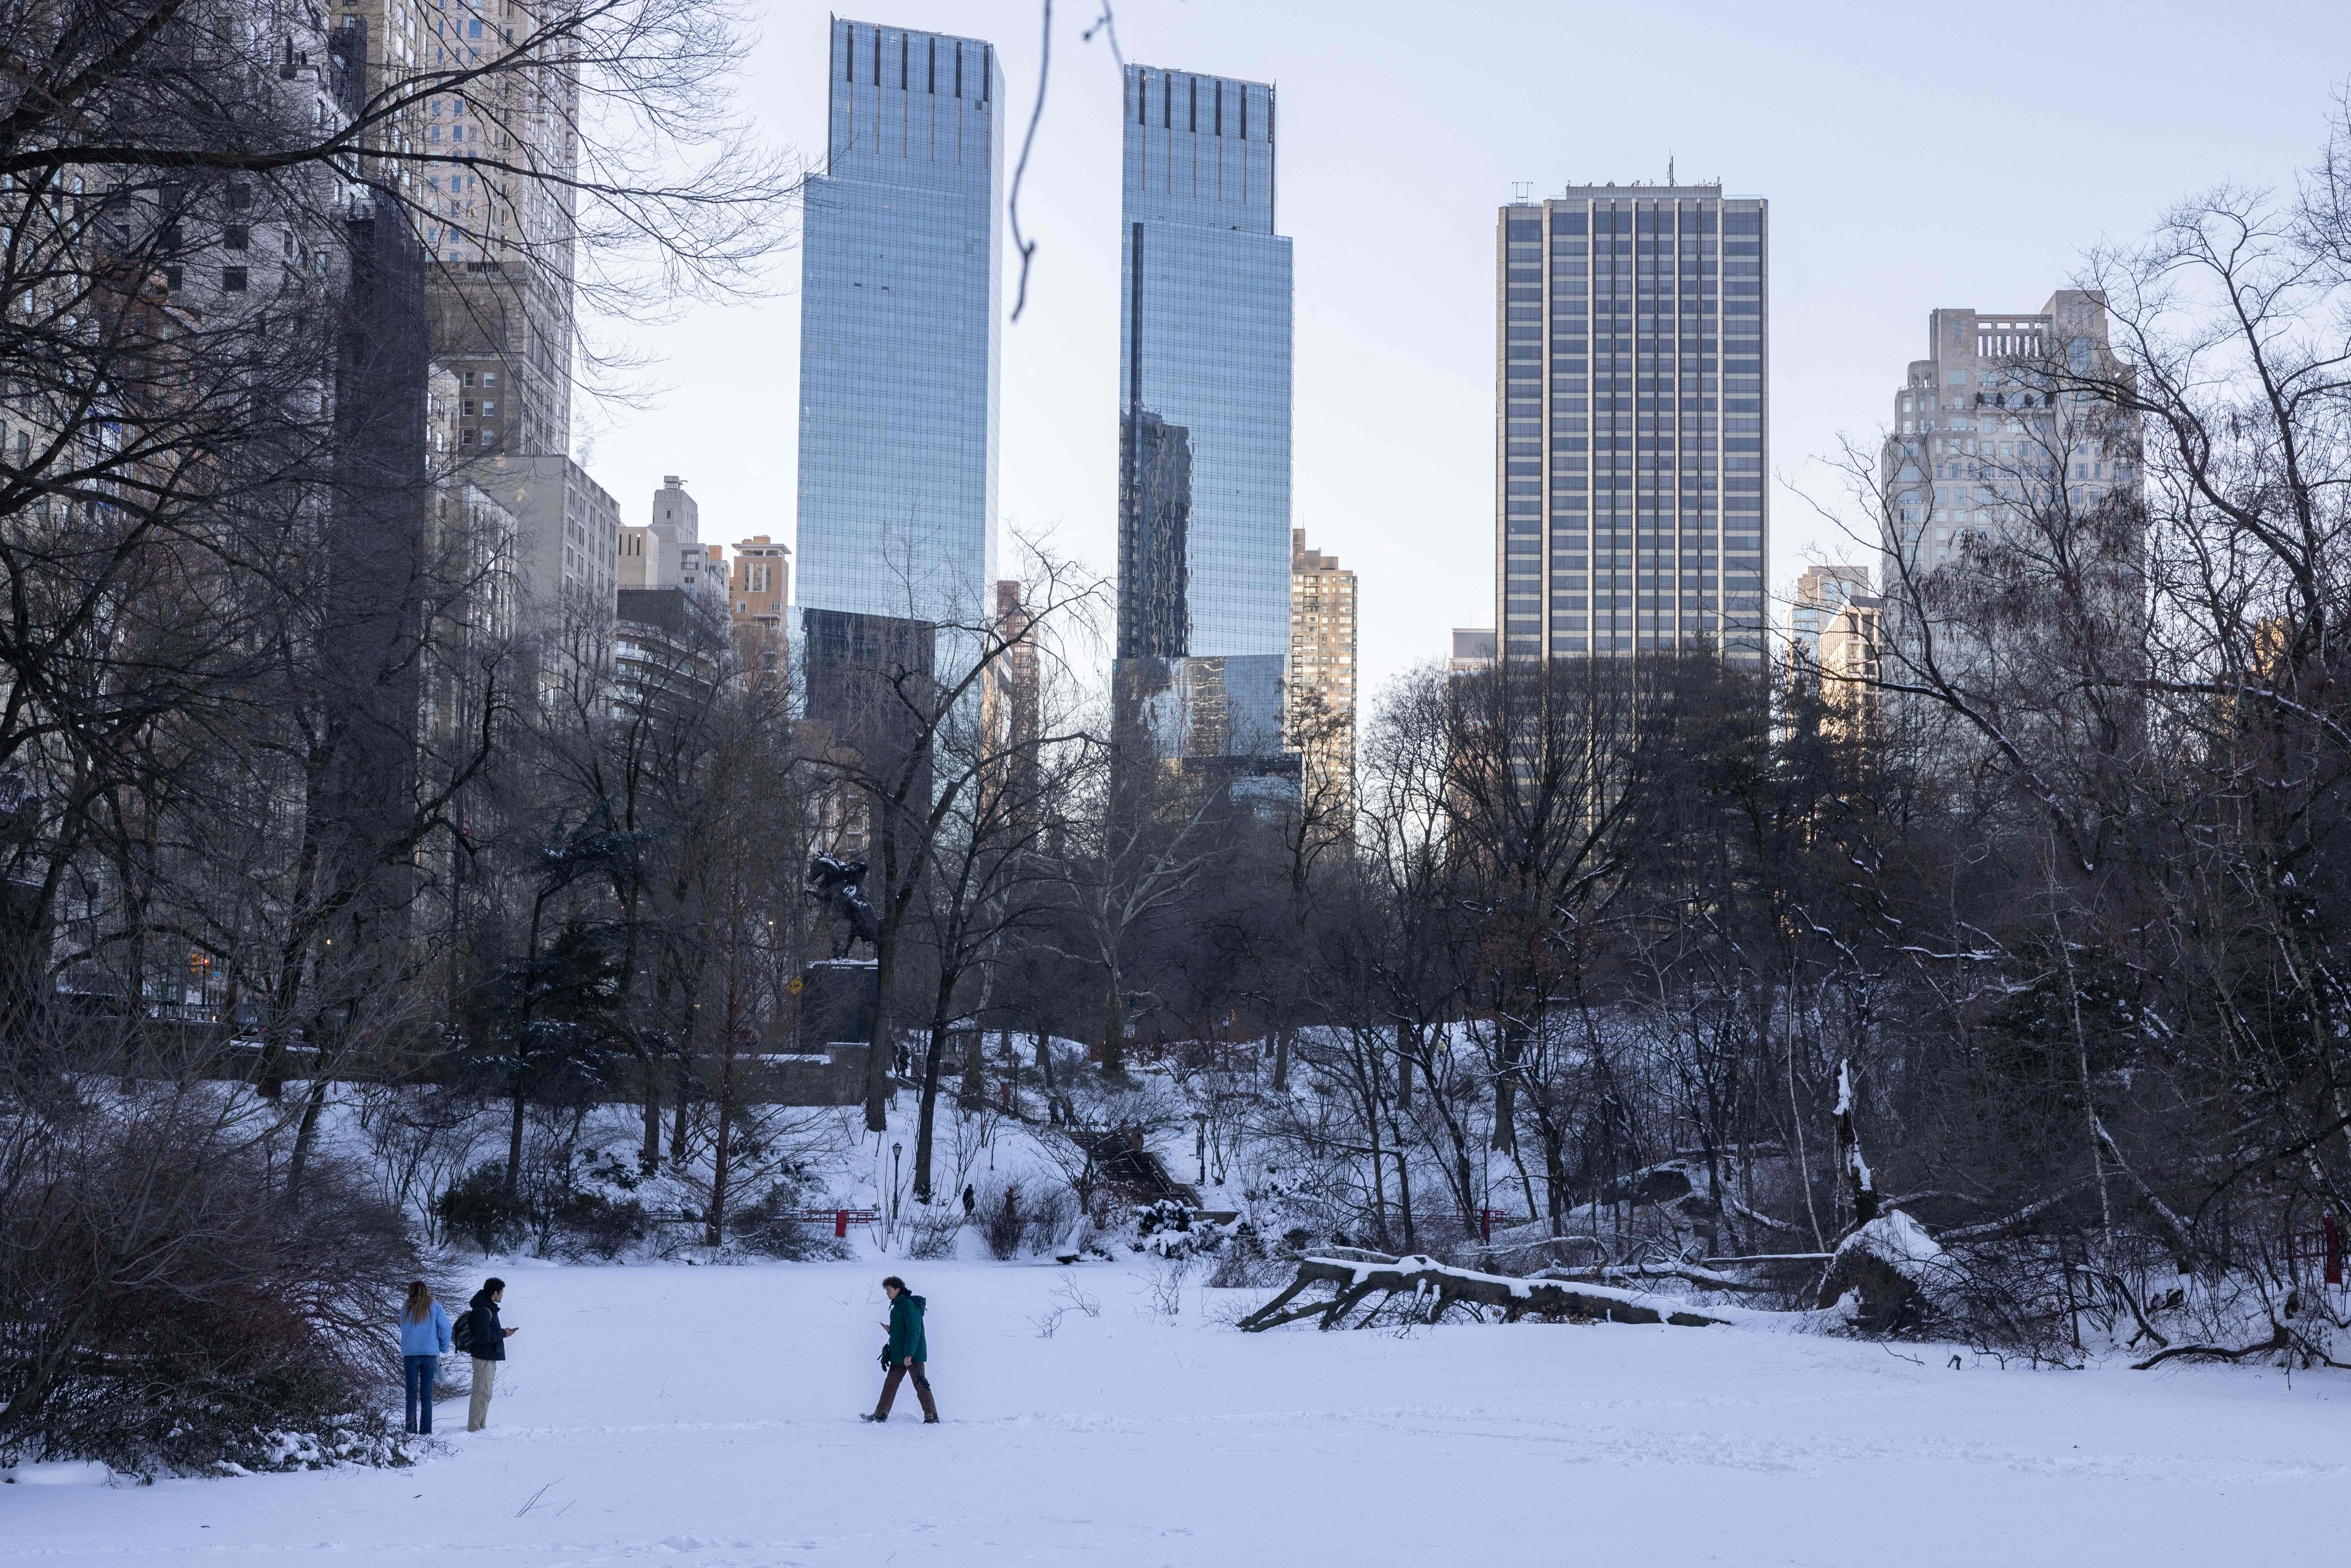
column 1631, row 406
column 1204, row 426
column 899, row 309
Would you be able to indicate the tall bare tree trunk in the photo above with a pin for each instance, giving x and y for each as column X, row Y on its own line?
column 1113, row 1060
column 1860, row 1187
column 513, row 1141
column 1044, row 1066
column 306, row 1135
column 926, row 1120
column 721, row 1155
column 1404, row 1190
column 972, row 1094
column 878, row 1060
column 2081, row 1059
column 935, row 1053
column 521, row 1038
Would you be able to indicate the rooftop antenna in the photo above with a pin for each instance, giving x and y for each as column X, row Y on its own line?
column 1669, row 168
column 1521, row 191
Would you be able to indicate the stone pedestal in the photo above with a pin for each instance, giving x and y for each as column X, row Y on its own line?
column 837, row 1002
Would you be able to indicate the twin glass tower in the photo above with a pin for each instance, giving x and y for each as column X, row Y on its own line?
column 901, row 306
column 900, row 316
column 1204, row 423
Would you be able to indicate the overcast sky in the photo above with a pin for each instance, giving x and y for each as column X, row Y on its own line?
column 1915, row 157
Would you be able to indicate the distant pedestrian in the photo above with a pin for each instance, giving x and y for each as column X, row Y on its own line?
column 906, row 1353
column 971, row 1201
column 423, row 1341
column 486, row 1344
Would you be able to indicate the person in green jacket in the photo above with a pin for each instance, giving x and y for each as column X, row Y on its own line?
column 906, row 1353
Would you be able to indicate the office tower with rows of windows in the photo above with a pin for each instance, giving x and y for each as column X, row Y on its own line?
column 1630, row 440
column 900, row 252
column 1204, row 422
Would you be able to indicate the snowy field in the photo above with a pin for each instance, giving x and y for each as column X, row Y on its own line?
column 707, row 1416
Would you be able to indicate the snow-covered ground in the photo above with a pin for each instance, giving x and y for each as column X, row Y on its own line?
column 707, row 1416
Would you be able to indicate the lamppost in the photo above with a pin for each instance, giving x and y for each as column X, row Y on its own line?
column 895, row 1150
column 1201, row 1143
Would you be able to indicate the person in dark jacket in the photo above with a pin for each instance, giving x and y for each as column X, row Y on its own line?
column 489, row 1348
column 906, row 1353
column 423, row 1341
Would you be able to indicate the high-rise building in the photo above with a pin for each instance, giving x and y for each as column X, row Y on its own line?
column 368, row 676
column 666, row 654
column 655, row 555
column 1630, row 422
column 1321, row 691
column 901, row 250
column 471, row 633
column 389, row 41
column 762, row 583
column 667, row 553
column 759, row 595
column 566, row 548
column 1982, row 434
column 1821, row 591
column 1016, row 692
column 672, row 608
column 1204, row 422
column 1473, row 651
column 869, row 679
column 1852, row 638
column 501, row 231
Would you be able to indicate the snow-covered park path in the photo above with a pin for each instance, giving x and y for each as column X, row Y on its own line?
column 707, row 1416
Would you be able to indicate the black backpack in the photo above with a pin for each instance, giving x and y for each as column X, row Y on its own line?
column 461, row 1332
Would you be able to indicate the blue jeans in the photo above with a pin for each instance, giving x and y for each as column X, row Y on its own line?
column 420, row 1372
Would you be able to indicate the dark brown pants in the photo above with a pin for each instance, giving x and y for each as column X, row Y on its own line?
column 898, row 1370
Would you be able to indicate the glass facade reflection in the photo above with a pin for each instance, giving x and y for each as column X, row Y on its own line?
column 899, row 310
column 1204, row 439
column 1632, row 403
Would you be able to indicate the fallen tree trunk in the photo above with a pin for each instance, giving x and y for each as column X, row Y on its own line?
column 1696, row 1276
column 2282, row 1338
column 1432, row 1288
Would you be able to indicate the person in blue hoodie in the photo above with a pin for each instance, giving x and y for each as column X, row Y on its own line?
column 906, row 1353
column 423, row 1341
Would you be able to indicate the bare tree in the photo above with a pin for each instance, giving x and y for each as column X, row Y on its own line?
column 992, row 868
column 891, row 692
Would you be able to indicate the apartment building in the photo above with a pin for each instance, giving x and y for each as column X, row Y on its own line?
column 1321, row 693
